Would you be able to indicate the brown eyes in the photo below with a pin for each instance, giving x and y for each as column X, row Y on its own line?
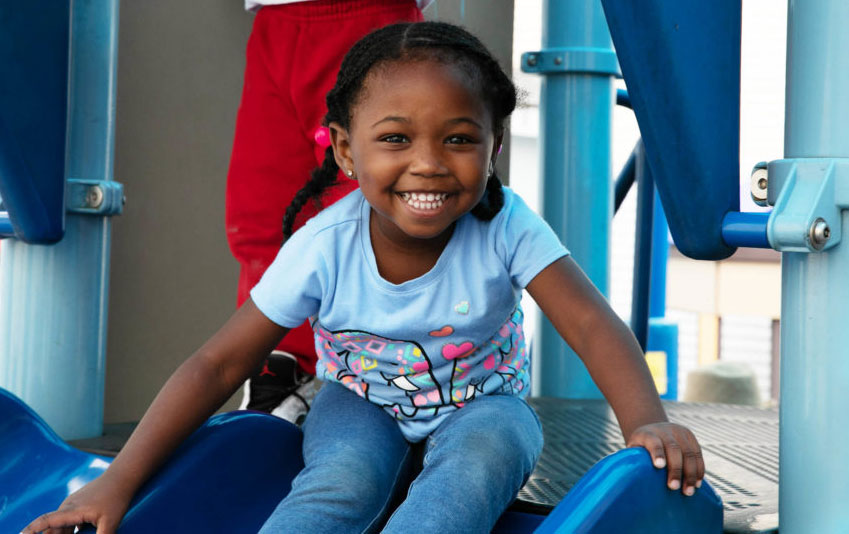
column 450, row 140
column 395, row 138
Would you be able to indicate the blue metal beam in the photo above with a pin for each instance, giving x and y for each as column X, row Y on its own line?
column 576, row 109
column 53, row 299
column 643, row 244
column 745, row 229
column 810, row 189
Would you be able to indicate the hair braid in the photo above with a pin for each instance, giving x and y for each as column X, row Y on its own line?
column 493, row 199
column 320, row 179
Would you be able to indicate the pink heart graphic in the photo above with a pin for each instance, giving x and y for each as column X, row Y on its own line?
column 421, row 366
column 489, row 363
column 442, row 332
column 451, row 351
column 433, row 396
column 419, row 400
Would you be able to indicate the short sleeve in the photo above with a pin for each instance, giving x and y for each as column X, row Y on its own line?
column 530, row 243
column 291, row 289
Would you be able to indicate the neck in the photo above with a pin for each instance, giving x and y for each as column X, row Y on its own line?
column 392, row 237
column 400, row 257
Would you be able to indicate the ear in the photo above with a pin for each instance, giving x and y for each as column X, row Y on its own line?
column 340, row 140
column 496, row 147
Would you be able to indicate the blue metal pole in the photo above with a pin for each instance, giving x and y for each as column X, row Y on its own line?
column 814, row 431
column 53, row 299
column 643, row 255
column 659, row 259
column 745, row 229
column 575, row 133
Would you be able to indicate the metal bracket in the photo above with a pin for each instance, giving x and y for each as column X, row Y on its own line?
column 808, row 195
column 94, row 197
column 572, row 59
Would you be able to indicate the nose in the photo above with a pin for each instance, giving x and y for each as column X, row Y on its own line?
column 428, row 160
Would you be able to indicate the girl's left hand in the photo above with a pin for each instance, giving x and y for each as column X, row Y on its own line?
column 675, row 447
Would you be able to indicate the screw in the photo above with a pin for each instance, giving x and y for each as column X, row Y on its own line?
column 759, row 184
column 558, row 60
column 94, row 197
column 532, row 60
column 819, row 233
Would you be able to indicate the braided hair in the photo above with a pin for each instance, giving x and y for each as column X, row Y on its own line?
column 437, row 41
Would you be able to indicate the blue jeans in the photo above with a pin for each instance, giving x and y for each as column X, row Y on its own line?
column 358, row 466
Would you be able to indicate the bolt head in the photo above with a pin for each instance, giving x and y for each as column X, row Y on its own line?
column 759, row 185
column 94, row 197
column 819, row 233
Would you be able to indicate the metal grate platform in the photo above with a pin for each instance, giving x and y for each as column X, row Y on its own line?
column 739, row 443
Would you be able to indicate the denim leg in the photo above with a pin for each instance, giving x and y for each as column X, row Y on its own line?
column 474, row 465
column 355, row 460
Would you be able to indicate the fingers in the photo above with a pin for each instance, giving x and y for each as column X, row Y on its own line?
column 689, row 464
column 652, row 443
column 64, row 522
column 676, row 448
column 674, row 463
column 54, row 523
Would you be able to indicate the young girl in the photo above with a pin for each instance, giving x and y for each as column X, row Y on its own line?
column 412, row 286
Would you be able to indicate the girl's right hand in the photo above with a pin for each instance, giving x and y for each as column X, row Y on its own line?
column 102, row 503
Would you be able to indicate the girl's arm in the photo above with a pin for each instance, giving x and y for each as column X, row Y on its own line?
column 193, row 393
column 617, row 365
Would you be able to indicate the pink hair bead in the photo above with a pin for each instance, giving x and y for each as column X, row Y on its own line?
column 322, row 136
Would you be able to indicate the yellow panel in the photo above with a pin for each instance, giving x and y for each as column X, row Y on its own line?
column 708, row 338
column 656, row 359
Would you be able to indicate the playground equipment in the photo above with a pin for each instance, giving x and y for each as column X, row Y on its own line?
column 256, row 456
column 681, row 63
column 56, row 143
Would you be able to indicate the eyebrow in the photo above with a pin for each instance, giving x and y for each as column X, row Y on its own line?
column 458, row 120
column 391, row 118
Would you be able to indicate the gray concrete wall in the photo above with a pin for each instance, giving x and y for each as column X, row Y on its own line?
column 180, row 68
column 173, row 282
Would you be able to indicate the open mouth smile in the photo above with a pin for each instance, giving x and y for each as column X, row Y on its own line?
column 424, row 201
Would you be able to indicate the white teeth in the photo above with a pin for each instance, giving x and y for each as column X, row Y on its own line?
column 424, row 201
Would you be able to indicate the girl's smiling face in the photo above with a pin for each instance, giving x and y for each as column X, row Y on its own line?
column 421, row 142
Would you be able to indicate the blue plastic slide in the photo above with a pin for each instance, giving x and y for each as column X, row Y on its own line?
column 231, row 473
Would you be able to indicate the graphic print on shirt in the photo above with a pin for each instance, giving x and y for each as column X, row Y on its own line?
column 409, row 384
column 404, row 365
column 508, row 358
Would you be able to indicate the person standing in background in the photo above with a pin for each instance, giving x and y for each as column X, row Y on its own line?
column 293, row 54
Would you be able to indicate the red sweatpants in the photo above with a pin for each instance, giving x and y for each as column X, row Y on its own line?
column 293, row 56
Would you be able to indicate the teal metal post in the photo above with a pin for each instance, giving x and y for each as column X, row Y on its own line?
column 810, row 190
column 578, row 94
column 53, row 299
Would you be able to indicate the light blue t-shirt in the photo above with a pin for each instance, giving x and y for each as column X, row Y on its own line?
column 423, row 348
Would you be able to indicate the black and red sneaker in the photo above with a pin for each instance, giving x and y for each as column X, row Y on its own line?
column 280, row 388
